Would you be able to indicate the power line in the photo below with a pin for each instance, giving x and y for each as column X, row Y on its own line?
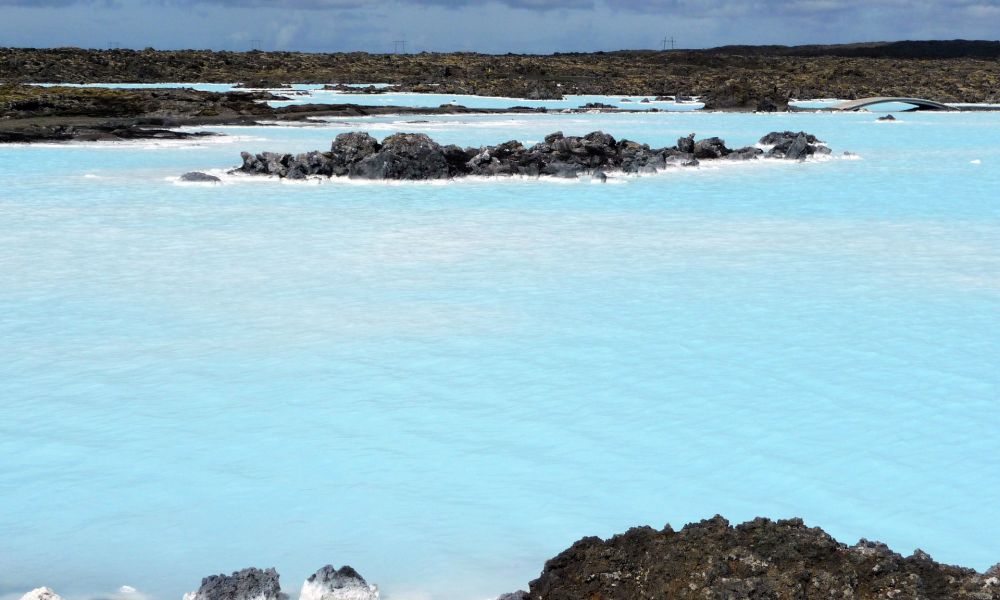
column 399, row 46
column 668, row 40
column 255, row 45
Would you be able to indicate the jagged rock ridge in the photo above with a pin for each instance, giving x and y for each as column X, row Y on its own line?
column 248, row 584
column 415, row 156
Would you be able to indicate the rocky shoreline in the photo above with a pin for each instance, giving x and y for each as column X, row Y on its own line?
column 414, row 156
column 759, row 560
column 729, row 78
column 59, row 114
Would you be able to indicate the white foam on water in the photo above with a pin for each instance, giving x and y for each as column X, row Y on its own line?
column 312, row 590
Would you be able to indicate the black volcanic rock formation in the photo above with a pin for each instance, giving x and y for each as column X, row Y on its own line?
column 415, row 156
column 760, row 560
column 248, row 584
column 344, row 583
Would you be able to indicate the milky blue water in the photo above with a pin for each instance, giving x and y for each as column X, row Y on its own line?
column 444, row 385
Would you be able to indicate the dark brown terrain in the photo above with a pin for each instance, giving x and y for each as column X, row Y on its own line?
column 33, row 114
column 733, row 77
column 760, row 560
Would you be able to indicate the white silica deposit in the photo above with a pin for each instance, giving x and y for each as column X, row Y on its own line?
column 42, row 593
column 338, row 584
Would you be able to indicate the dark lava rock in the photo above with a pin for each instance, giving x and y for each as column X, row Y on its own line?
column 686, row 144
column 767, row 105
column 793, row 146
column 709, row 148
column 457, row 159
column 413, row 156
column 518, row 595
column 777, row 136
column 350, row 89
column 350, row 148
column 404, row 156
column 199, row 177
column 248, row 584
column 338, row 584
column 887, row 118
column 598, row 105
column 747, row 153
column 760, row 560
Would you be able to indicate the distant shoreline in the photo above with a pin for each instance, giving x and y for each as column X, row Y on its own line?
column 55, row 113
column 727, row 78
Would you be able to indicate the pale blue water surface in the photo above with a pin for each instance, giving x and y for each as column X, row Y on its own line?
column 445, row 384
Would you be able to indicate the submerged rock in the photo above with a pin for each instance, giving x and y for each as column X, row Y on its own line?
column 199, row 177
column 248, row 584
column 760, row 559
column 42, row 593
column 415, row 156
column 338, row 584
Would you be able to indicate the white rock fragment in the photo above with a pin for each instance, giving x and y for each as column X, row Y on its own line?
column 338, row 584
column 42, row 593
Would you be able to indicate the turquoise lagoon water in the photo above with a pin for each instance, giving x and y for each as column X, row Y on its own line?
column 445, row 384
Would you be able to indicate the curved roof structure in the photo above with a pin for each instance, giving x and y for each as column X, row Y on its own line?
column 920, row 103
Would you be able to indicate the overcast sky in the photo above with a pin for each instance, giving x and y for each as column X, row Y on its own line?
column 486, row 26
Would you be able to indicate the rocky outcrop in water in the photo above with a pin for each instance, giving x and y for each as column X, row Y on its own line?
column 760, row 560
column 415, row 156
column 357, row 89
column 791, row 145
column 248, row 584
column 199, row 177
column 338, row 584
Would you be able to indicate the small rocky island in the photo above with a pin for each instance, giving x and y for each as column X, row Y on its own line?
column 759, row 560
column 414, row 156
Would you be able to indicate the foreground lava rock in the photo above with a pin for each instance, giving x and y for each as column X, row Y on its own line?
column 760, row 559
column 415, row 156
column 248, row 584
column 338, row 584
column 256, row 584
